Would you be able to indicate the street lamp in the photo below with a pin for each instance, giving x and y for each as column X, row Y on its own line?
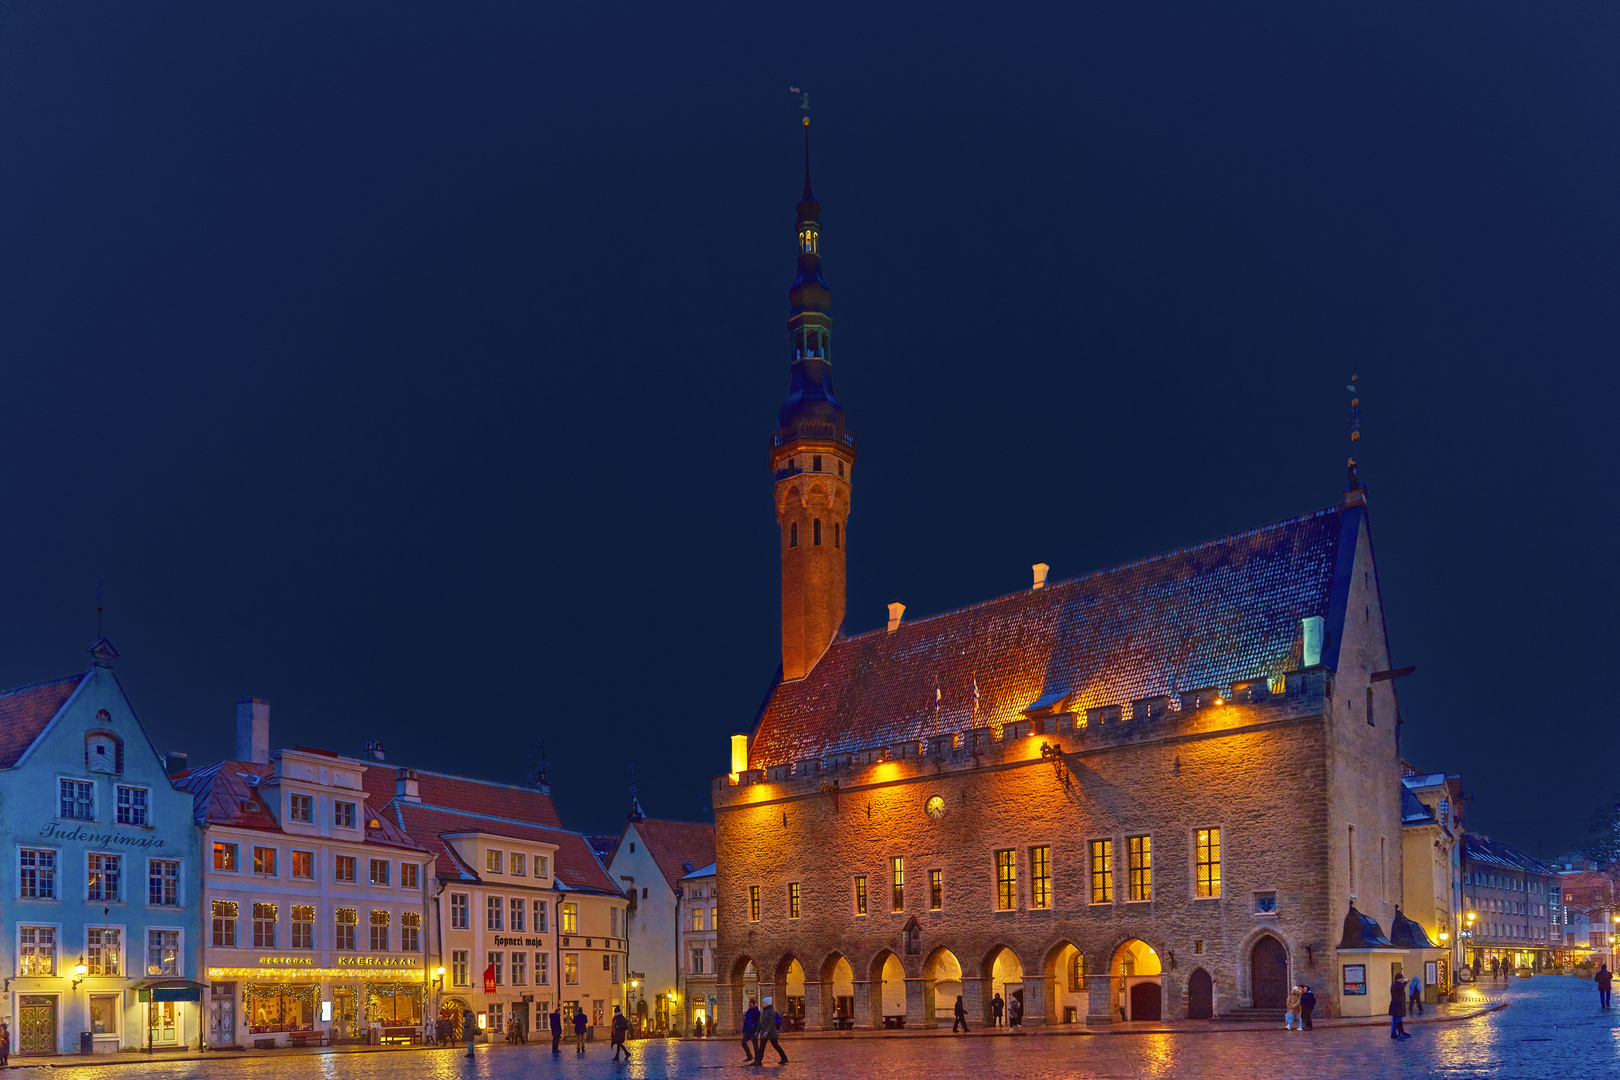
column 80, row 971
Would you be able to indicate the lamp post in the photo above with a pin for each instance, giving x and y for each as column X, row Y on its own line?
column 438, row 997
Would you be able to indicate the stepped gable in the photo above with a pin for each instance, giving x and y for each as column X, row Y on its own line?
column 1200, row 617
column 677, row 845
column 575, row 865
column 26, row 712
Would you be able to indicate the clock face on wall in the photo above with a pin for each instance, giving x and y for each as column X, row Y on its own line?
column 935, row 806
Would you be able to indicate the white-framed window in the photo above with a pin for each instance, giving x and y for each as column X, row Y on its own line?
column 410, row 931
column 264, row 861
column 344, row 920
column 132, row 808
column 614, row 920
column 163, row 882
column 541, row 866
column 301, row 864
column 571, row 969
column 515, row 913
column 409, row 876
column 697, row 961
column 615, row 968
column 492, row 860
column 76, row 799
column 104, row 877
column 343, row 814
column 497, row 960
column 458, row 912
column 379, row 930
column 303, row 926
column 459, row 976
column 379, row 871
column 540, row 920
column 301, row 808
column 518, row 864
column 494, row 913
column 104, row 1010
column 264, row 925
column 225, row 912
column 36, row 950
column 542, row 969
column 226, row 859
column 520, row 969
column 345, row 868
column 36, row 876
column 162, row 952
column 104, row 950
column 570, row 918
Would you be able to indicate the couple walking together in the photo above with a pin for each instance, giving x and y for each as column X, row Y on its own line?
column 761, row 1027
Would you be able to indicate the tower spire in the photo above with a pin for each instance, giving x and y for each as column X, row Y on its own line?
column 812, row 455
column 1355, row 489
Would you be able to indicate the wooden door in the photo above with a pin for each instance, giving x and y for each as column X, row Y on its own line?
column 1200, row 996
column 1145, row 1000
column 1268, row 974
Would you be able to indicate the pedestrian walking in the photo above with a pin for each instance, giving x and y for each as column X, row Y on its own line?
column 5, row 1044
column 1415, row 994
column 697, row 1028
column 621, row 1028
column 750, row 1039
column 469, row 1024
column 997, row 1007
column 1495, row 968
column 581, row 1025
column 1604, row 979
column 1291, row 1012
column 1397, row 1011
column 1307, row 1005
column 769, row 1024
column 556, row 1029
column 961, row 1016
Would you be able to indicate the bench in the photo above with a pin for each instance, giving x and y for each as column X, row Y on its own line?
column 896, row 1021
column 404, row 1036
column 304, row 1038
column 844, row 1023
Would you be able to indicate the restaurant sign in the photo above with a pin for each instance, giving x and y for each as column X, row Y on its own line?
column 521, row 942
column 344, row 961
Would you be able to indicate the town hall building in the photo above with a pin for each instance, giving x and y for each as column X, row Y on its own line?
column 1167, row 789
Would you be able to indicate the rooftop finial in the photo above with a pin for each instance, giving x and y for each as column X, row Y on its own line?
column 804, row 103
column 1354, row 488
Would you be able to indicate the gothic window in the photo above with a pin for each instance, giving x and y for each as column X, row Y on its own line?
column 793, row 534
column 838, row 530
column 1077, row 973
column 816, row 528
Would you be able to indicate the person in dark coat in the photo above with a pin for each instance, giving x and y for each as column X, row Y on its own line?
column 1414, row 992
column 1496, row 968
column 750, row 1040
column 469, row 1024
column 1476, row 967
column 1397, row 1011
column 621, row 1028
column 996, row 1008
column 581, row 1025
column 1604, row 979
column 1307, row 1004
column 5, row 1043
column 556, row 1029
column 961, row 1015
column 769, row 1024
column 697, row 1028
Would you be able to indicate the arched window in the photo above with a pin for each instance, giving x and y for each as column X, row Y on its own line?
column 1077, row 973
column 817, row 529
column 838, row 537
column 793, row 534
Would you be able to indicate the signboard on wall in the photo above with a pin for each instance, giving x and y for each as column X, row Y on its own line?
column 1355, row 980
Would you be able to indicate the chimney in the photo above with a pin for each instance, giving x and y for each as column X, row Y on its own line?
column 1040, row 569
column 897, row 611
column 374, row 749
column 253, row 730
column 405, row 786
column 1312, row 631
column 174, row 763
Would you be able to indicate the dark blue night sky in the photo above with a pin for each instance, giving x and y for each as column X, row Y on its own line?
column 411, row 365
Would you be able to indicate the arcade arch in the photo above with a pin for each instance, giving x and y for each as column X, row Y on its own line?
column 942, row 983
column 837, row 990
column 1137, row 981
column 1003, row 974
column 1066, row 998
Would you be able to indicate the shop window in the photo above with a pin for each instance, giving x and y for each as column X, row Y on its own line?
column 273, row 1007
column 104, row 1011
column 394, row 1004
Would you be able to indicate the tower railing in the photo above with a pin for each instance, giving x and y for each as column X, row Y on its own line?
column 812, row 433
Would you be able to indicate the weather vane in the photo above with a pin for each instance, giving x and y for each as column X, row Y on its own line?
column 1355, row 427
column 804, row 101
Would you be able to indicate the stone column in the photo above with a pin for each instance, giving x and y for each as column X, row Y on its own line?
column 723, row 1018
column 815, row 1016
column 862, row 991
column 974, row 1003
column 918, row 1014
column 1101, row 991
column 1034, row 1000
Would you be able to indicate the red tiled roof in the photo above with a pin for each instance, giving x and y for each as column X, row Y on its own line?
column 674, row 843
column 507, row 801
column 221, row 795
column 1201, row 617
column 25, row 712
column 575, row 865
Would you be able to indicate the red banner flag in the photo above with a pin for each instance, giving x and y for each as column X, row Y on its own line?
column 489, row 979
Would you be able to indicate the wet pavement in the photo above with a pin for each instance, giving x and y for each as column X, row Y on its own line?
column 1551, row 1028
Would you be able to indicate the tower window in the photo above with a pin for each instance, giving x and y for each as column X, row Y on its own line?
column 840, row 468
column 837, row 535
column 816, row 528
column 793, row 534
column 815, row 463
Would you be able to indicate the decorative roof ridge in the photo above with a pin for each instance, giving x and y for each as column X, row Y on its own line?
column 475, row 780
column 43, row 683
column 1055, row 585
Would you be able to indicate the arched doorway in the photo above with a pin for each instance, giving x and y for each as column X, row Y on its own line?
column 888, row 988
column 1003, row 975
column 1066, row 1000
column 942, row 984
column 1200, row 996
column 744, row 985
column 1135, row 964
column 453, row 1009
column 837, row 992
column 1268, row 974
column 788, row 992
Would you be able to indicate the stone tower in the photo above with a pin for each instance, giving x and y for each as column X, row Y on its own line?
column 813, row 458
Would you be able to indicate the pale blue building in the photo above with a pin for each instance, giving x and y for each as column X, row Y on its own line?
column 98, row 924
